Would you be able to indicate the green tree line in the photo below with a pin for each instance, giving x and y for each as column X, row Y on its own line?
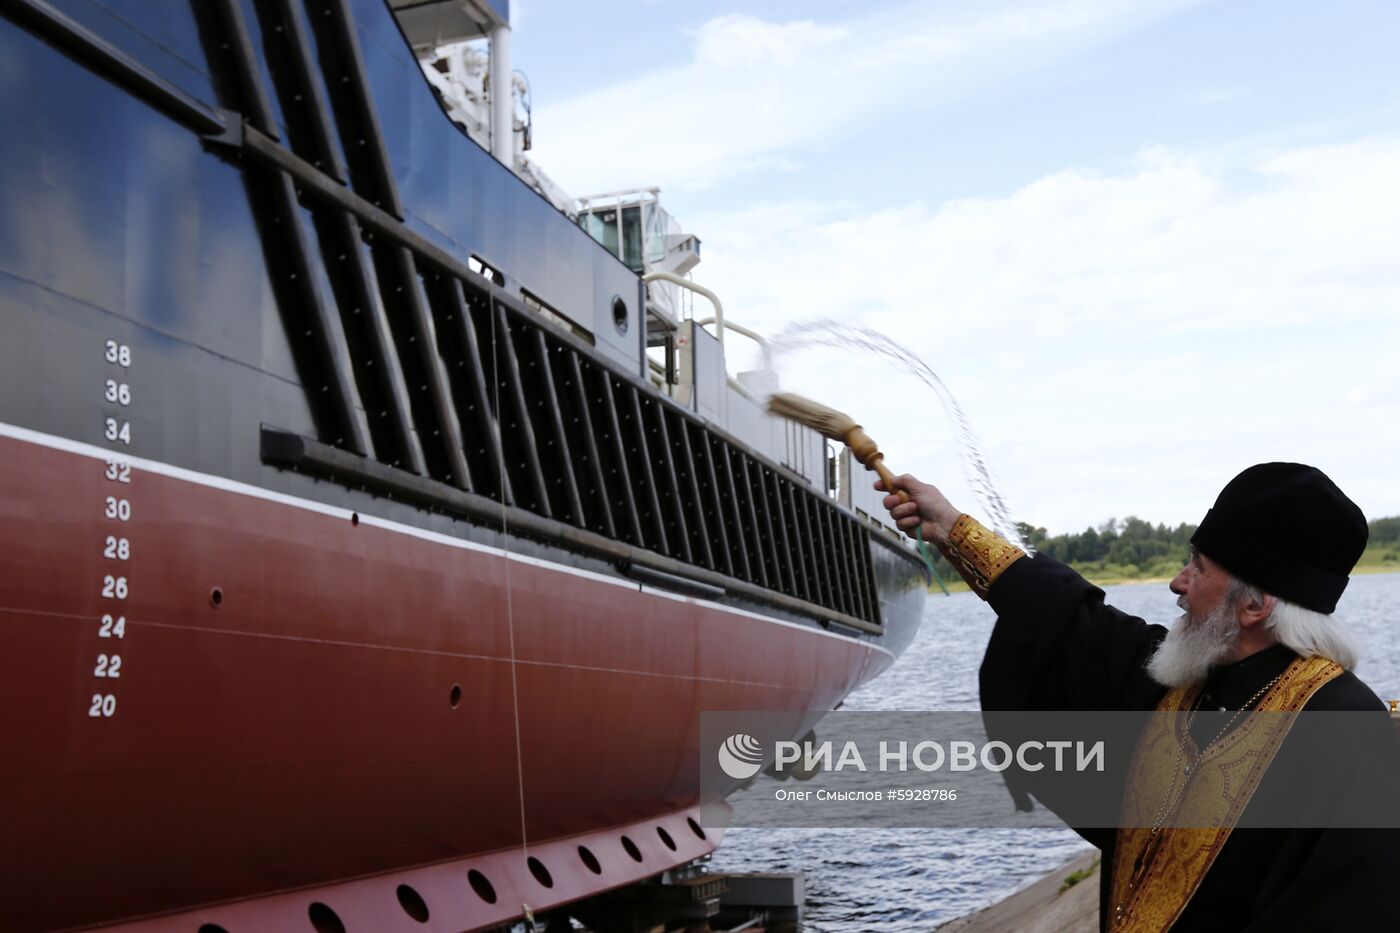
column 1385, row 531
column 1134, row 549
column 1130, row 542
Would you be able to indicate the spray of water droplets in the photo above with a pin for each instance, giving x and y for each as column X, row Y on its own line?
column 826, row 333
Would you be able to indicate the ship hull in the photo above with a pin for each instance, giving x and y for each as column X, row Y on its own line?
column 238, row 685
column 309, row 693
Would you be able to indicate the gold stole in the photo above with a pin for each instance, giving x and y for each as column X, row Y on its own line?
column 1155, row 872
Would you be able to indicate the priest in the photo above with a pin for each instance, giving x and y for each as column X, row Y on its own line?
column 1266, row 568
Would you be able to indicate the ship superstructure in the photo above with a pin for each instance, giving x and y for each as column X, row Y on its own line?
column 357, row 568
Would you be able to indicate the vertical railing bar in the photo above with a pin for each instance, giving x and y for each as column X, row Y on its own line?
column 838, row 556
column 777, row 518
column 782, row 570
column 841, row 589
column 810, row 502
column 867, row 566
column 556, row 419
column 322, row 329
column 804, row 573
column 857, row 545
column 476, row 385
column 298, row 32
column 677, row 503
column 358, row 85
column 763, row 555
column 793, row 522
column 506, row 344
column 701, row 526
column 718, row 500
column 384, row 371
column 838, row 527
column 648, row 475
column 338, row 387
column 802, row 505
column 620, row 456
column 853, row 596
column 872, row 581
column 447, row 425
column 257, row 105
column 372, row 138
column 752, row 564
column 591, row 444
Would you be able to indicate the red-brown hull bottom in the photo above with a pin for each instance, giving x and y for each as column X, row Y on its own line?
column 306, row 696
column 447, row 891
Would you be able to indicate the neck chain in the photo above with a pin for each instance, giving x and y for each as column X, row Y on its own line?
column 1195, row 708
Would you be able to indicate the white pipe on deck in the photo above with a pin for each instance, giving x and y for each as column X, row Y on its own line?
column 699, row 290
column 753, row 335
column 502, row 98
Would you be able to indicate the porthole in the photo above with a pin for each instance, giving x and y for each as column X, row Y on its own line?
column 632, row 849
column 619, row 312
column 482, row 886
column 589, row 860
column 324, row 919
column 541, row 873
column 412, row 903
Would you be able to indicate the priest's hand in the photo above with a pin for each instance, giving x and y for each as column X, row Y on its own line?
column 927, row 509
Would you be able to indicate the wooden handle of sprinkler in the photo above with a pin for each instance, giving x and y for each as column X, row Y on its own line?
column 867, row 453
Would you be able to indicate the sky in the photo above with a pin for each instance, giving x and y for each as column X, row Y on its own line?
column 1145, row 244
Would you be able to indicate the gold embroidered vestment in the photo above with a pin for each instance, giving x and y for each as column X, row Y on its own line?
column 1156, row 867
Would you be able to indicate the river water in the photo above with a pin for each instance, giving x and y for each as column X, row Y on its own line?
column 859, row 880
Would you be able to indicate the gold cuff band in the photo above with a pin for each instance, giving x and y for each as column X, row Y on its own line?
column 980, row 554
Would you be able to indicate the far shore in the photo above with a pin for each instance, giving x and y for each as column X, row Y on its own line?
column 1116, row 581
column 959, row 586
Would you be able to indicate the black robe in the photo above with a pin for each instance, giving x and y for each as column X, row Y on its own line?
column 1056, row 646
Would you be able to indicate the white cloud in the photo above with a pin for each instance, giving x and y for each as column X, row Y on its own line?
column 1122, row 343
column 753, row 90
column 738, row 42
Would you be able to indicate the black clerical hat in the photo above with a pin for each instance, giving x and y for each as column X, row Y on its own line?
column 1287, row 529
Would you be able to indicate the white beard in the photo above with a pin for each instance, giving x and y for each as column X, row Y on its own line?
column 1194, row 646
